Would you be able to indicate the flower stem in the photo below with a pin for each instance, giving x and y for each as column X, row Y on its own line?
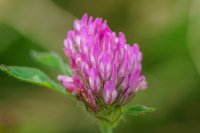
column 109, row 119
column 105, row 128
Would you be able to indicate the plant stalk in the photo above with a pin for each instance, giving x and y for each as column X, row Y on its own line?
column 105, row 128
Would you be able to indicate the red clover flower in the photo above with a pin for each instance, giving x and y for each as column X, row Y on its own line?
column 106, row 70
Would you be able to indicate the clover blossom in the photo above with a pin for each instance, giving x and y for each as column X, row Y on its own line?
column 106, row 70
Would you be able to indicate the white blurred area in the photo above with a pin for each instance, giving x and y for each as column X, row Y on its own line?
column 41, row 21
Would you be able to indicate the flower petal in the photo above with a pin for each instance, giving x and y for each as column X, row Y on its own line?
column 110, row 93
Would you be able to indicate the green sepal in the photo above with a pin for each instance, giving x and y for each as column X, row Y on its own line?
column 137, row 110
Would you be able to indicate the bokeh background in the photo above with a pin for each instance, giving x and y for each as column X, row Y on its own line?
column 168, row 32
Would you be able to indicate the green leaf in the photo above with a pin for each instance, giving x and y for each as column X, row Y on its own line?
column 138, row 109
column 33, row 76
column 51, row 59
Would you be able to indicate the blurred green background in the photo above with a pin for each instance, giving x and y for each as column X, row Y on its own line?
column 168, row 32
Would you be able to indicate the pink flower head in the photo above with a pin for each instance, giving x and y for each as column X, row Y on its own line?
column 105, row 69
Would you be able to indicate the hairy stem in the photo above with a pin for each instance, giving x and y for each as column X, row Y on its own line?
column 105, row 128
column 109, row 119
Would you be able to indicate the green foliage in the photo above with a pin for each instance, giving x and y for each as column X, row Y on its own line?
column 51, row 59
column 111, row 118
column 137, row 109
column 33, row 76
